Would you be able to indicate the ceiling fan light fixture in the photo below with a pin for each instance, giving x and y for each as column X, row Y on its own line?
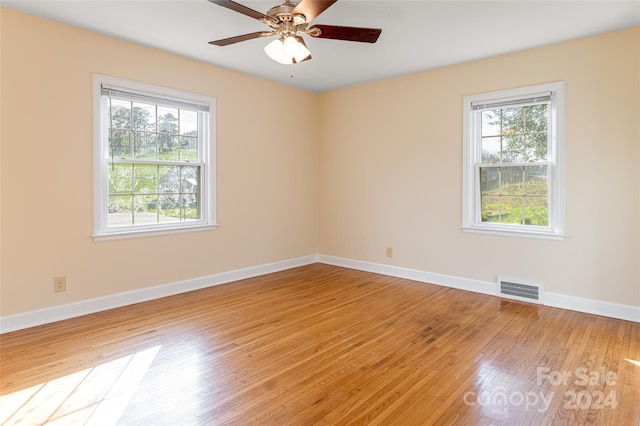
column 303, row 53
column 287, row 50
column 291, row 47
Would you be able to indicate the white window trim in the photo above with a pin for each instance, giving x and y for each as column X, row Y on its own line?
column 470, row 191
column 101, row 231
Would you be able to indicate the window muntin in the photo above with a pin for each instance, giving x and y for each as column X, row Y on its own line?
column 154, row 154
column 513, row 176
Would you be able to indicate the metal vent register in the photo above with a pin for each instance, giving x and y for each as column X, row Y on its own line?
column 528, row 292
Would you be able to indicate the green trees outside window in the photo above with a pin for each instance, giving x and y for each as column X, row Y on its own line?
column 150, row 175
column 514, row 166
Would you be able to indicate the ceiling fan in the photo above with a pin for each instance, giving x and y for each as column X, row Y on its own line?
column 287, row 21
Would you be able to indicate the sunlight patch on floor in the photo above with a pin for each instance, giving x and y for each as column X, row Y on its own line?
column 633, row 362
column 97, row 395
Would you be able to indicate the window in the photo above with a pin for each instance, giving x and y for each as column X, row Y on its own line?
column 513, row 142
column 153, row 166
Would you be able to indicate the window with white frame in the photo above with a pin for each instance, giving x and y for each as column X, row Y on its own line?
column 513, row 178
column 153, row 159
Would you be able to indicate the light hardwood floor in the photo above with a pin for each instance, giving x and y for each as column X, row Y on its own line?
column 324, row 345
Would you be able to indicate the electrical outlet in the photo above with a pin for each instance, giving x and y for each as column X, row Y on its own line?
column 59, row 284
column 389, row 251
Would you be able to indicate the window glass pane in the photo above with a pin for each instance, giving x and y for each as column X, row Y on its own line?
column 511, row 209
column 537, row 147
column 188, row 149
column 145, row 146
column 491, row 150
column 167, row 120
column 511, row 179
column 536, row 211
column 491, row 123
column 144, row 209
column 168, row 179
column 536, row 180
column 512, row 121
column 120, row 114
column 146, row 176
column 490, row 208
column 144, row 117
column 490, row 180
column 168, row 147
column 188, row 122
column 536, row 118
column 120, row 210
column 513, row 149
column 190, row 179
column 120, row 178
column 120, row 144
column 190, row 209
column 169, row 208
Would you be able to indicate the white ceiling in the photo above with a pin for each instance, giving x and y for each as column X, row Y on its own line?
column 417, row 34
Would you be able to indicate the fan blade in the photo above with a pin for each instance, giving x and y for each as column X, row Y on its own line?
column 237, row 39
column 237, row 7
column 311, row 8
column 365, row 35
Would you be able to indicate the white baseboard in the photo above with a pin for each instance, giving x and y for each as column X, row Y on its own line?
column 572, row 303
column 591, row 306
column 484, row 287
column 57, row 313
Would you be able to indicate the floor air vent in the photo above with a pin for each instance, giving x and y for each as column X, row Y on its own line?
column 518, row 290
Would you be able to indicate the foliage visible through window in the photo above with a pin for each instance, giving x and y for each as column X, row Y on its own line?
column 513, row 167
column 140, row 192
column 154, row 153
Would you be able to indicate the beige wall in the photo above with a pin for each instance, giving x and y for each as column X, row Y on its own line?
column 267, row 183
column 391, row 171
column 381, row 166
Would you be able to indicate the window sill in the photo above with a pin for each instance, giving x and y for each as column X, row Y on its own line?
column 145, row 233
column 520, row 233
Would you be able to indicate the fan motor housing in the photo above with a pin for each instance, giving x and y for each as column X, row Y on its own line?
column 282, row 12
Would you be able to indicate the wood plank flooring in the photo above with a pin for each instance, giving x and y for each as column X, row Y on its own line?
column 322, row 345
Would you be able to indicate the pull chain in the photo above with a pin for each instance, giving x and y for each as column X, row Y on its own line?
column 291, row 75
